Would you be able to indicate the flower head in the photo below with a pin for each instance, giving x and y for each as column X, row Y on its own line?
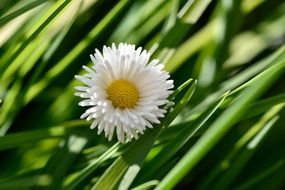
column 124, row 91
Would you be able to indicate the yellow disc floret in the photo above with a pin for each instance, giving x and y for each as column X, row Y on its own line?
column 123, row 94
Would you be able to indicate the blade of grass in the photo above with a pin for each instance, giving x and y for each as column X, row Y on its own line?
column 128, row 165
column 146, row 185
column 179, row 141
column 86, row 172
column 7, row 18
column 25, row 182
column 223, row 170
column 262, row 176
column 10, row 111
column 240, row 160
column 185, row 50
column 21, row 138
column 193, row 10
column 137, row 16
column 264, row 105
column 65, row 62
column 221, row 126
column 66, row 154
column 34, row 32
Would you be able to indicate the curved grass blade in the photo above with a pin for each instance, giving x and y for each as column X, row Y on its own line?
column 25, row 182
column 262, row 175
column 65, row 62
column 217, row 176
column 66, row 154
column 264, row 105
column 7, row 18
column 21, row 138
column 55, row 10
column 146, row 185
column 127, row 166
column 219, row 128
column 240, row 160
column 175, row 145
column 86, row 172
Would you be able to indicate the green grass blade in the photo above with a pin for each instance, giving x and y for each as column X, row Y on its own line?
column 189, row 47
column 261, row 176
column 264, row 105
column 146, row 185
column 66, row 154
column 240, row 160
column 71, row 56
column 21, row 138
column 55, row 10
column 184, row 135
column 221, row 126
column 127, row 166
column 7, row 18
column 223, row 170
column 88, row 170
column 193, row 10
column 172, row 115
column 25, row 182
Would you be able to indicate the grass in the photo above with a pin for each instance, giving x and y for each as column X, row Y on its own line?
column 225, row 131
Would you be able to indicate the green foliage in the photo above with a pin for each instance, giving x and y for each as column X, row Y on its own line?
column 225, row 130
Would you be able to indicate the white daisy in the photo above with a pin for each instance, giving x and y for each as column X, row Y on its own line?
column 124, row 91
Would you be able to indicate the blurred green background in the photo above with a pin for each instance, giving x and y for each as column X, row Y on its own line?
column 229, row 135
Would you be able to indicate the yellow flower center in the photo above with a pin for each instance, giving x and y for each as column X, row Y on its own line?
column 123, row 94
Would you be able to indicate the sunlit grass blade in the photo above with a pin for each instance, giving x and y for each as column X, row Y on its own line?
column 19, row 139
column 226, row 15
column 86, row 172
column 253, row 70
column 193, row 10
column 66, row 154
column 181, row 24
column 146, row 185
column 127, row 166
column 219, row 128
column 261, row 176
column 187, row 49
column 264, row 105
column 37, row 48
column 238, row 163
column 136, row 17
column 183, row 136
column 222, row 175
column 6, row 18
column 26, row 182
column 37, row 29
column 71, row 56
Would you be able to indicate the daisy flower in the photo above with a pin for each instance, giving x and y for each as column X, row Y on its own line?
column 124, row 91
